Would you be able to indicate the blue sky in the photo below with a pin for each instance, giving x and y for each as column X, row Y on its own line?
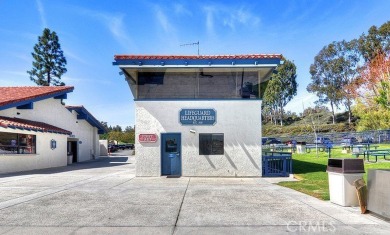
column 91, row 32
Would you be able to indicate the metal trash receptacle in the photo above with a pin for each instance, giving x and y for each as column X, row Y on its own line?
column 70, row 158
column 301, row 147
column 342, row 172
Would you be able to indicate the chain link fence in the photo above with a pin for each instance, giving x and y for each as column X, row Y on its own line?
column 377, row 136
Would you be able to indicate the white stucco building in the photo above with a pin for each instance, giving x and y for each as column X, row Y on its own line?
column 198, row 115
column 38, row 131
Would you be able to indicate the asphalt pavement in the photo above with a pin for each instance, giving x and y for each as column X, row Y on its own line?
column 104, row 197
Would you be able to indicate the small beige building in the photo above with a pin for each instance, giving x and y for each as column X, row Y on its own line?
column 38, row 131
column 198, row 115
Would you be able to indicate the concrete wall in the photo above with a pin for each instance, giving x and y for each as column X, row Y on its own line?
column 378, row 186
column 103, row 147
column 45, row 157
column 239, row 120
column 52, row 112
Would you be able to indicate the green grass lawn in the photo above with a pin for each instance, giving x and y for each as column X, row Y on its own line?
column 311, row 171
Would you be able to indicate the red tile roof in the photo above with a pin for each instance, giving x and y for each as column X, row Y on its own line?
column 196, row 57
column 10, row 95
column 30, row 125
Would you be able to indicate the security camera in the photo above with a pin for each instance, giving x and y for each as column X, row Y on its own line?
column 193, row 131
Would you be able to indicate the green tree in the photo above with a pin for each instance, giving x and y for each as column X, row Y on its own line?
column 270, row 100
column 345, row 62
column 129, row 129
column 128, row 137
column 105, row 135
column 49, row 62
column 327, row 83
column 114, row 135
column 376, row 42
column 383, row 98
column 282, row 88
column 371, row 117
column 117, row 128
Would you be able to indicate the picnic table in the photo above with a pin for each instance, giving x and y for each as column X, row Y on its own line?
column 346, row 146
column 282, row 147
column 321, row 148
column 375, row 153
column 368, row 145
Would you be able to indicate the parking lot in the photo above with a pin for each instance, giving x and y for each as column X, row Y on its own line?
column 104, row 197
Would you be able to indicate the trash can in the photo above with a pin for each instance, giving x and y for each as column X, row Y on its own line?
column 342, row 172
column 301, row 147
column 173, row 157
column 70, row 158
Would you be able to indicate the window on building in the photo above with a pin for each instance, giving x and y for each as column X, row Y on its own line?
column 171, row 146
column 211, row 144
column 12, row 143
column 202, row 83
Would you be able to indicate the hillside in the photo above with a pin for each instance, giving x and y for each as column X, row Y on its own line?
column 304, row 125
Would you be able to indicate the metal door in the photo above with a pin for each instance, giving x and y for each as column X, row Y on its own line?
column 171, row 154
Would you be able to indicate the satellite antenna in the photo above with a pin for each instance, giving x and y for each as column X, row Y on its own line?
column 191, row 44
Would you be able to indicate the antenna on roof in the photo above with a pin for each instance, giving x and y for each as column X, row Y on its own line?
column 191, row 44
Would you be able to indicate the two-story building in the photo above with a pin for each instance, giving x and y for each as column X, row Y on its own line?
column 198, row 115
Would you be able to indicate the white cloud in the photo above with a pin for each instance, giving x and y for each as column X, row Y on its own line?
column 181, row 10
column 69, row 54
column 163, row 20
column 209, row 19
column 240, row 16
column 116, row 27
column 231, row 17
column 15, row 78
column 41, row 11
column 114, row 23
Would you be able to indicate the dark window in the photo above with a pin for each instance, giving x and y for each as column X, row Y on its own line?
column 150, row 78
column 12, row 143
column 171, row 146
column 211, row 144
column 201, row 83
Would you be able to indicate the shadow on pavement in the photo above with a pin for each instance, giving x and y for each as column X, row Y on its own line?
column 101, row 162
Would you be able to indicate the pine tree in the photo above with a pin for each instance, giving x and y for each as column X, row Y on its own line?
column 49, row 61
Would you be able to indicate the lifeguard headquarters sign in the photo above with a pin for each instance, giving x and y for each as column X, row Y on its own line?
column 207, row 117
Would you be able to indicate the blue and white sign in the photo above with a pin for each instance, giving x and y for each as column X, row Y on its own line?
column 207, row 117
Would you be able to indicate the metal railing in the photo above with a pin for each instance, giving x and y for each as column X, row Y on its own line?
column 276, row 164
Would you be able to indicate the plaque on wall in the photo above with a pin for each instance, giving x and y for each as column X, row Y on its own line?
column 206, row 117
column 147, row 138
